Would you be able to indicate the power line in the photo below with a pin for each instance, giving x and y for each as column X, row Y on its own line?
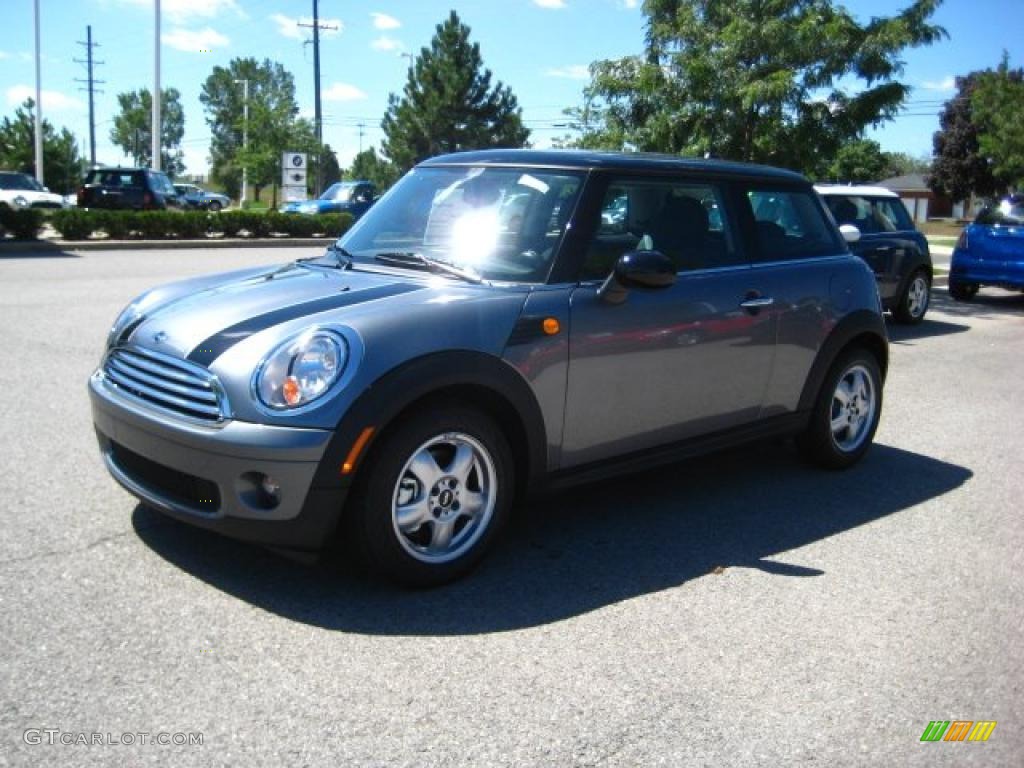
column 92, row 83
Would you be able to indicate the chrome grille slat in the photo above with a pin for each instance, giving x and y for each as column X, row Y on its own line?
column 206, row 395
column 165, row 383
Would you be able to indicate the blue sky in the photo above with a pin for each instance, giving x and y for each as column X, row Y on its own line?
column 539, row 47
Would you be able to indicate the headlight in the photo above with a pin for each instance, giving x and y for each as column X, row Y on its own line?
column 128, row 316
column 301, row 370
column 21, row 201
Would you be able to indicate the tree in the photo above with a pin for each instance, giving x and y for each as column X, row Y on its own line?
column 902, row 164
column 133, row 133
column 859, row 161
column 758, row 80
column 448, row 103
column 998, row 105
column 331, row 172
column 272, row 107
column 371, row 167
column 959, row 169
column 63, row 166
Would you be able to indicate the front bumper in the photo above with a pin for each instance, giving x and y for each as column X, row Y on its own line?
column 205, row 475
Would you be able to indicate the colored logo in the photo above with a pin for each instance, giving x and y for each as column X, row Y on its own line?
column 958, row 730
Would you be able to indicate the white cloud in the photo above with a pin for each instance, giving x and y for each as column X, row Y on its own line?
column 947, row 84
column 385, row 43
column 383, row 21
column 53, row 101
column 4, row 55
column 342, row 92
column 181, row 11
column 288, row 26
column 571, row 72
column 630, row 4
column 550, row 3
column 194, row 40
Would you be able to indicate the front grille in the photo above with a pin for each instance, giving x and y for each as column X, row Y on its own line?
column 181, row 487
column 167, row 383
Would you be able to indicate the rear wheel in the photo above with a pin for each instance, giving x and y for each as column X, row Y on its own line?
column 214, row 206
column 433, row 496
column 846, row 414
column 914, row 300
column 962, row 291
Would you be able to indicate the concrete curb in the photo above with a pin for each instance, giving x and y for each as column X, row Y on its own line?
column 12, row 247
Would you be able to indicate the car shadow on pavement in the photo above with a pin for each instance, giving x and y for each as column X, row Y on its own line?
column 989, row 302
column 927, row 328
column 579, row 550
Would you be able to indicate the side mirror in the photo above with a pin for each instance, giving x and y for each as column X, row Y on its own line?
column 849, row 232
column 637, row 269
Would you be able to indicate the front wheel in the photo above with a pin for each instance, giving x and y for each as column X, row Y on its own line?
column 433, row 496
column 846, row 413
column 915, row 299
column 214, row 206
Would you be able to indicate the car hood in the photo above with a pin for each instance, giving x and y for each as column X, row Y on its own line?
column 201, row 320
column 32, row 195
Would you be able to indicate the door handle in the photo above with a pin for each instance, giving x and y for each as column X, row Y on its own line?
column 757, row 303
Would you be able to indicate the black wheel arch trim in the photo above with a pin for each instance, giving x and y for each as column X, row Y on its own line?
column 434, row 374
column 860, row 323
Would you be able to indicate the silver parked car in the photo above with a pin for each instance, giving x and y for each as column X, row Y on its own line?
column 403, row 388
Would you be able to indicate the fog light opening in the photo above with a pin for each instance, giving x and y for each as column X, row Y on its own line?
column 259, row 491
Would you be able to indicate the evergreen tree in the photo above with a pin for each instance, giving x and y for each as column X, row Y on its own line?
column 448, row 103
column 63, row 167
column 371, row 167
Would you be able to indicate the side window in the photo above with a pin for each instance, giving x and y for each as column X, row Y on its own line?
column 891, row 212
column 685, row 220
column 790, row 225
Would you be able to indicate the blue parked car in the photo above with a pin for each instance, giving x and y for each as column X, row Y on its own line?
column 353, row 197
column 990, row 251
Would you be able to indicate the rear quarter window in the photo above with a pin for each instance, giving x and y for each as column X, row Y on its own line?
column 790, row 224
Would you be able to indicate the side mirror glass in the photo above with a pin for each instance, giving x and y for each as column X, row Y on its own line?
column 849, row 232
column 637, row 269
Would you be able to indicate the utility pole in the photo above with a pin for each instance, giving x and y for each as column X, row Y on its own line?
column 39, row 104
column 91, row 87
column 361, row 126
column 157, row 94
column 318, row 122
column 245, row 136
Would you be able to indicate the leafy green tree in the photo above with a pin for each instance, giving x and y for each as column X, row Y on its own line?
column 273, row 130
column 786, row 82
column 132, row 130
column 272, row 107
column 998, row 104
column 63, row 166
column 902, row 164
column 859, row 161
column 959, row 169
column 370, row 166
column 448, row 103
column 331, row 169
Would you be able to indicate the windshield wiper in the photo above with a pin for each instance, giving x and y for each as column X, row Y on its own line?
column 343, row 257
column 409, row 259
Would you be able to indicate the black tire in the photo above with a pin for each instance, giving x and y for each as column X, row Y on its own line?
column 214, row 206
column 912, row 307
column 962, row 291
column 411, row 557
column 818, row 443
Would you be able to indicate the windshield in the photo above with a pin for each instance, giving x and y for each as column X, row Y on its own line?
column 19, row 181
column 340, row 192
column 500, row 223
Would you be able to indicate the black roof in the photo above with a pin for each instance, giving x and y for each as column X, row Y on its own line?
column 621, row 161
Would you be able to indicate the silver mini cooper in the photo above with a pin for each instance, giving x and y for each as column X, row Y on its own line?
column 498, row 322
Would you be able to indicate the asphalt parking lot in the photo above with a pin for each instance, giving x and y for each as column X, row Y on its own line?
column 740, row 609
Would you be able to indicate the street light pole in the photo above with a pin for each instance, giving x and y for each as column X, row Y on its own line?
column 157, row 125
column 39, row 104
column 245, row 136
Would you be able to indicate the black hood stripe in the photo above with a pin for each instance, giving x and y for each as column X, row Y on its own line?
column 213, row 347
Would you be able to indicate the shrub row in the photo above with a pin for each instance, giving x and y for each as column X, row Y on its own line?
column 23, row 223
column 75, row 224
